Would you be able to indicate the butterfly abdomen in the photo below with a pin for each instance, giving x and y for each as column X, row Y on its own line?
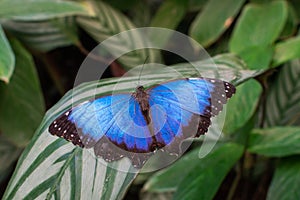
column 141, row 96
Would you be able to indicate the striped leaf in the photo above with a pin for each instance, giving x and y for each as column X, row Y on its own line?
column 44, row 35
column 276, row 141
column 283, row 100
column 42, row 25
column 286, row 181
column 109, row 22
column 75, row 173
column 286, row 50
column 29, row 10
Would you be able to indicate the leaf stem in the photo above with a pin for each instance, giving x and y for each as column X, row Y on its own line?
column 234, row 185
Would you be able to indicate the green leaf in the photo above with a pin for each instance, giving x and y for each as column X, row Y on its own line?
column 246, row 100
column 286, row 50
column 296, row 6
column 291, row 23
column 278, row 141
column 109, row 22
column 255, row 18
column 283, row 100
column 21, row 103
column 192, row 173
column 7, row 58
column 9, row 154
column 203, row 181
column 163, row 181
column 214, row 20
column 39, row 10
column 169, row 14
column 286, row 181
column 257, row 57
column 44, row 35
column 248, row 36
column 122, row 5
column 196, row 5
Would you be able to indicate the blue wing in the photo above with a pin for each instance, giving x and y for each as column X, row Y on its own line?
column 182, row 108
column 117, row 118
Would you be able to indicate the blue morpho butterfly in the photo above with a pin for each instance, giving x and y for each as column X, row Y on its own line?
column 137, row 124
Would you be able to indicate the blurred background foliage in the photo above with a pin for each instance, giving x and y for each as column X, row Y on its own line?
column 43, row 43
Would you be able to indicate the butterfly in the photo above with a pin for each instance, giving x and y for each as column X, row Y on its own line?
column 136, row 125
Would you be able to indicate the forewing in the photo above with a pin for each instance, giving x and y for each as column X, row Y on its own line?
column 182, row 108
column 89, row 121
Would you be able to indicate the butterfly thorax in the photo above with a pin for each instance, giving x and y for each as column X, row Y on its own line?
column 142, row 97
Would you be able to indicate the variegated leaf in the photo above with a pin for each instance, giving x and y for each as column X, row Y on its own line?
column 109, row 22
column 283, row 101
column 44, row 35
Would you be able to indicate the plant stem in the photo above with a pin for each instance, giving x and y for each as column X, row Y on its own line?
column 234, row 184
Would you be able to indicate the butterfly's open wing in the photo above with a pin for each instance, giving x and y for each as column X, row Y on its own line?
column 113, row 125
column 182, row 108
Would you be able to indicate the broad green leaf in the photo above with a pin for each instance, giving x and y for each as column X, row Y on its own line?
column 39, row 10
column 157, row 196
column 283, row 99
column 109, row 22
column 9, row 154
column 163, row 181
column 72, row 171
column 21, row 102
column 203, row 181
column 191, row 166
column 259, row 25
column 286, row 50
column 286, row 181
column 291, row 23
column 241, row 107
column 278, row 141
column 196, row 5
column 257, row 57
column 214, row 20
column 7, row 58
column 44, row 35
column 257, row 28
column 259, row 1
column 122, row 5
column 296, row 6
column 169, row 14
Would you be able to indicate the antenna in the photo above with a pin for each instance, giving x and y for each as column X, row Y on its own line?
column 139, row 80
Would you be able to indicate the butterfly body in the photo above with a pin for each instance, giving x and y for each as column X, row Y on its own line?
column 137, row 124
